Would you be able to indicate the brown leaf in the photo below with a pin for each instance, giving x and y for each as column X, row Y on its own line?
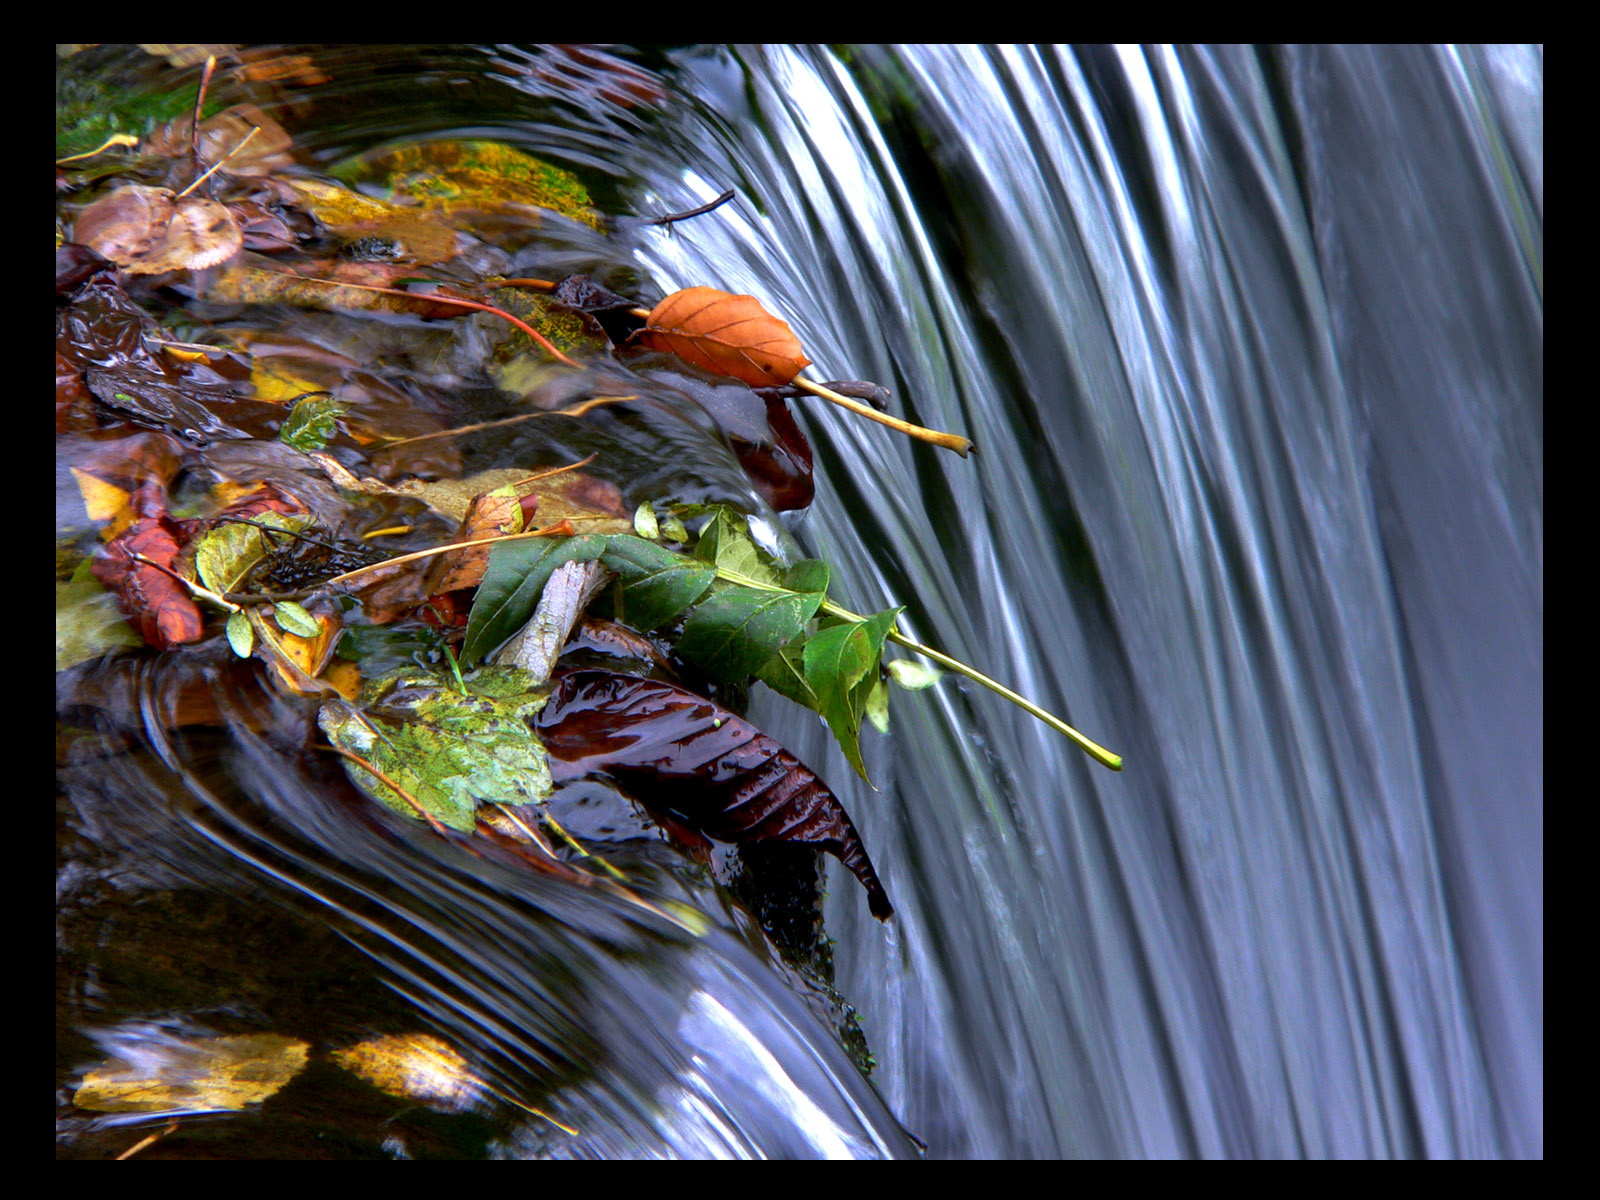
column 726, row 335
column 147, row 231
column 709, row 768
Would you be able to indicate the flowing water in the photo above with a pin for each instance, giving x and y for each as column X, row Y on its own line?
column 1251, row 345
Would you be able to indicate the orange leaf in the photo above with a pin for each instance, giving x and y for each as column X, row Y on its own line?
column 726, row 335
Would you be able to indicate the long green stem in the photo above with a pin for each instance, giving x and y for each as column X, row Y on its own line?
column 1095, row 751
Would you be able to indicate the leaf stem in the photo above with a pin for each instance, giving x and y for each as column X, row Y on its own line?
column 1095, row 751
column 950, row 441
column 562, row 528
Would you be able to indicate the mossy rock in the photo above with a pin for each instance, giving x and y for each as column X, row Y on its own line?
column 458, row 175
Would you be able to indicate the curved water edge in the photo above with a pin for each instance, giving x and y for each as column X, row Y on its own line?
column 1251, row 346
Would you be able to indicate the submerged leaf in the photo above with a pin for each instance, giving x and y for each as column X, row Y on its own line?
column 148, row 231
column 449, row 751
column 711, row 769
column 726, row 335
column 168, row 1074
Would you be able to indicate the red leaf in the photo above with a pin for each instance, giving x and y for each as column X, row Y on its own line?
column 726, row 335
column 709, row 768
column 158, row 603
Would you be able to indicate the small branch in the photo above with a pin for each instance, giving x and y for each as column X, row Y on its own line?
column 116, row 139
column 950, row 441
column 693, row 212
column 427, row 816
column 194, row 588
column 217, row 166
column 199, row 103
column 573, row 410
column 1095, row 751
column 562, row 528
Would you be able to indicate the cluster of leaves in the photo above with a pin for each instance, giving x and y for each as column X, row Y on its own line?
column 737, row 612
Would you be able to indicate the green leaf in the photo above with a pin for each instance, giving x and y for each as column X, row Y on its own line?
column 231, row 549
column 656, row 584
column 312, row 421
column 88, row 623
column 733, row 631
column 785, row 673
column 450, row 751
column 841, row 666
column 512, row 584
column 878, row 704
column 292, row 618
column 726, row 542
column 644, row 521
column 240, row 636
column 808, row 575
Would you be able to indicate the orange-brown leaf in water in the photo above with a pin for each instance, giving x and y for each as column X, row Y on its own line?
column 726, row 335
column 159, row 604
column 147, row 231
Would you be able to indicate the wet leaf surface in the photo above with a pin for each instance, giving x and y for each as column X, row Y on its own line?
column 449, row 751
column 706, row 766
column 159, row 1073
column 726, row 335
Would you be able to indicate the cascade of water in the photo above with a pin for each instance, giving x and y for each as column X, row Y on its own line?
column 1251, row 347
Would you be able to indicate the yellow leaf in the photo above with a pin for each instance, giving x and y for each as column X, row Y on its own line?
column 168, row 1074
column 102, row 500
column 415, row 1066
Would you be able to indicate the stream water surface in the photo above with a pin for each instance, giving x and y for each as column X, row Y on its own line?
column 1251, row 345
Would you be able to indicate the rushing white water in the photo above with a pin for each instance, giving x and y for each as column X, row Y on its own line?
column 1251, row 346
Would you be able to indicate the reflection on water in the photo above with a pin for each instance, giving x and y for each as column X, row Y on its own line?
column 1251, row 347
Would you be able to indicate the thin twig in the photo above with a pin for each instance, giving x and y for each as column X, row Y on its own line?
column 217, row 166
column 146, row 1142
column 950, row 441
column 562, row 528
column 116, row 139
column 199, row 103
column 1095, row 751
column 194, row 588
column 693, row 212
column 438, row 826
column 573, row 410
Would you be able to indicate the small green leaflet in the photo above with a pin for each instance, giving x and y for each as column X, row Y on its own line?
column 726, row 542
column 292, row 618
column 841, row 666
column 240, row 636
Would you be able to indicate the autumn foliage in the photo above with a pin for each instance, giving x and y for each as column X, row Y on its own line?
column 726, row 335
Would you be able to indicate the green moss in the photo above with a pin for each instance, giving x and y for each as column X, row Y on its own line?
column 486, row 176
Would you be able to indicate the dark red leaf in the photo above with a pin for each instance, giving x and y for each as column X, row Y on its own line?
column 158, row 603
column 707, row 767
